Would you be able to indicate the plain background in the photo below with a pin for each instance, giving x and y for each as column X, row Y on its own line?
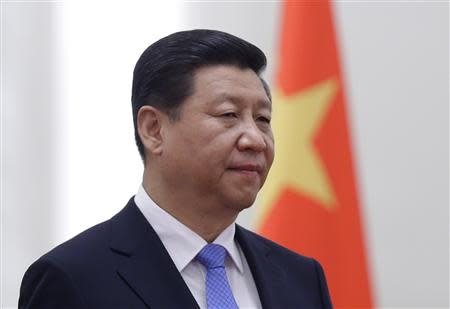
column 68, row 159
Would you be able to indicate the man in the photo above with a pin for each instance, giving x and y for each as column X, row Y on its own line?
column 202, row 125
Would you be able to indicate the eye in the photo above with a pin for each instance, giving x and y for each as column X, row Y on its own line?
column 229, row 115
column 264, row 119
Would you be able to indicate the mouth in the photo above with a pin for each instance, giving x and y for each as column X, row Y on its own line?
column 247, row 169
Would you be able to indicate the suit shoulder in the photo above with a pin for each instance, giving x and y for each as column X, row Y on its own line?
column 47, row 285
column 299, row 271
column 86, row 244
column 276, row 248
column 53, row 281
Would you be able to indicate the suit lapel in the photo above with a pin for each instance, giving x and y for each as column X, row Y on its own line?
column 145, row 264
column 266, row 273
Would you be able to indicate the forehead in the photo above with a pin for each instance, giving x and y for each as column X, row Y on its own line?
column 226, row 82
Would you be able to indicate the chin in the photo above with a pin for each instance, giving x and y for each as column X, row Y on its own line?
column 243, row 202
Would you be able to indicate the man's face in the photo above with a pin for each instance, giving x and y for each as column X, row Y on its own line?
column 221, row 147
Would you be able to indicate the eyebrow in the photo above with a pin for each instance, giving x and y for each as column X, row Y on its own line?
column 223, row 97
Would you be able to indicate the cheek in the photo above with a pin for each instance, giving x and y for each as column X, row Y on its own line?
column 206, row 150
column 270, row 150
column 218, row 139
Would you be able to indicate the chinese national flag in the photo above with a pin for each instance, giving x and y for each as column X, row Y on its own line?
column 310, row 202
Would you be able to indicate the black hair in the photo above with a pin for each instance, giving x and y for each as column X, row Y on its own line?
column 163, row 75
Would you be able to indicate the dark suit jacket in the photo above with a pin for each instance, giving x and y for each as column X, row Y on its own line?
column 122, row 263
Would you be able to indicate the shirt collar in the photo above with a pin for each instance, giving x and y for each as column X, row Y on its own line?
column 226, row 239
column 181, row 242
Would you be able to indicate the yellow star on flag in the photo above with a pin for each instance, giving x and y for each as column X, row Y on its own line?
column 297, row 164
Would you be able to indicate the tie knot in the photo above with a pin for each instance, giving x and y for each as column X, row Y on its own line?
column 212, row 256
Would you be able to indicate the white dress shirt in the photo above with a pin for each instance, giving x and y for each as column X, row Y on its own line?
column 183, row 244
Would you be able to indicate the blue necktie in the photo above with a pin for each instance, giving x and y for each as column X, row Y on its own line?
column 218, row 291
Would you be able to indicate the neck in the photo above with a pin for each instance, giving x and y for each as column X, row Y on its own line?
column 205, row 217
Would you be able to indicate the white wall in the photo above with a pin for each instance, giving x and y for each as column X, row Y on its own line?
column 30, row 126
column 396, row 56
column 68, row 158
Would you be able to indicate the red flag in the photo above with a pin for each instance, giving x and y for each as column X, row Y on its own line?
column 310, row 202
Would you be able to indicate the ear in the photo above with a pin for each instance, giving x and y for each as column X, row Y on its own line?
column 149, row 123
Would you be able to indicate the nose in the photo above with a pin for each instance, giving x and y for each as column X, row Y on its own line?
column 251, row 138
